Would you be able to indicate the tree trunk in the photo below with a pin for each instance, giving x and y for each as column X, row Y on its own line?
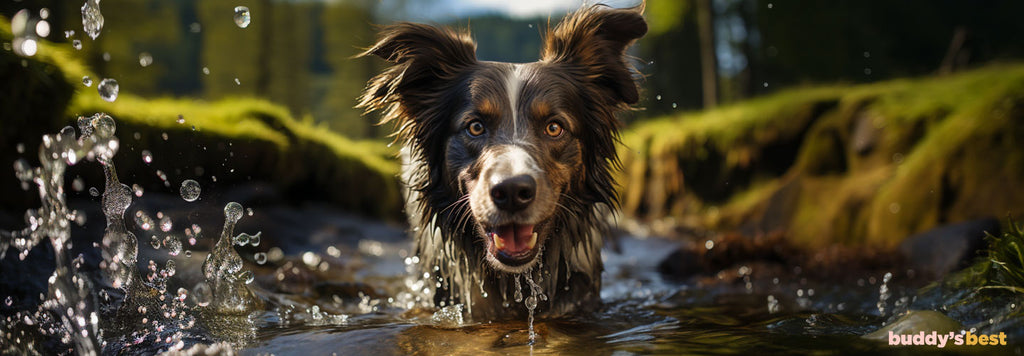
column 708, row 63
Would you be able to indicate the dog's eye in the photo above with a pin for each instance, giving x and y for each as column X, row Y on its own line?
column 475, row 128
column 554, row 129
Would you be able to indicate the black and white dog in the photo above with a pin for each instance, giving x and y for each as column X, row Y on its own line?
column 509, row 166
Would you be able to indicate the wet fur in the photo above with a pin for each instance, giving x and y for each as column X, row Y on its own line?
column 436, row 84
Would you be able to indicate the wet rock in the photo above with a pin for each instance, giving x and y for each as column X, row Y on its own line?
column 914, row 322
column 944, row 249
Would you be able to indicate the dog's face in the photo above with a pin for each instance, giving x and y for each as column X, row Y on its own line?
column 512, row 150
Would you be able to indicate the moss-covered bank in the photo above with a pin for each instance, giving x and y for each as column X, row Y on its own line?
column 234, row 140
column 862, row 165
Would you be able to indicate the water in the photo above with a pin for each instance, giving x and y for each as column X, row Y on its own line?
column 108, row 89
column 242, row 17
column 329, row 282
column 87, row 81
column 92, row 19
column 190, row 190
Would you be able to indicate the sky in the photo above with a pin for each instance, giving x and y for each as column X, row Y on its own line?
column 442, row 10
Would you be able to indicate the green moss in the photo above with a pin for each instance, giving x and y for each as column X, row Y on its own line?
column 868, row 164
column 235, row 140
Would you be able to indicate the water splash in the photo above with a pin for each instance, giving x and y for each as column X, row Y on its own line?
column 69, row 301
column 242, row 17
column 223, row 271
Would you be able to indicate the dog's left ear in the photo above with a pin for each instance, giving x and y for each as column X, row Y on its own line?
column 595, row 39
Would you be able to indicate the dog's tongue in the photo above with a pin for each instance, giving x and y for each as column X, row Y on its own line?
column 514, row 238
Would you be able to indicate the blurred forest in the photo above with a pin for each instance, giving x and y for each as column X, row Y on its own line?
column 298, row 53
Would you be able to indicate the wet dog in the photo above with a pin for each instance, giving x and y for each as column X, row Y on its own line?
column 508, row 167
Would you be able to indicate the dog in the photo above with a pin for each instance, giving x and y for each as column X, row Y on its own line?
column 508, row 168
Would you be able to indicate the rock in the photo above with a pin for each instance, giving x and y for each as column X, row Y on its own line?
column 914, row 322
column 944, row 249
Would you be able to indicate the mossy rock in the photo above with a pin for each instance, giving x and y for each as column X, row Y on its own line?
column 235, row 140
column 859, row 165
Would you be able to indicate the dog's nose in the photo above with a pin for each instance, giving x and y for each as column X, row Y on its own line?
column 515, row 193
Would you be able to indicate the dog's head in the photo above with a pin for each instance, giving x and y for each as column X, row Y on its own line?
column 511, row 150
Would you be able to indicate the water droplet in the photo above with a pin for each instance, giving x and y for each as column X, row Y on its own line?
column 69, row 33
column 674, row 105
column 531, row 302
column 242, row 17
column 94, row 192
column 155, row 242
column 92, row 19
column 170, row 267
column 247, row 277
column 260, row 257
column 87, row 81
column 201, row 294
column 237, row 82
column 181, row 119
column 765, row 84
column 147, row 156
column 76, row 44
column 43, row 28
column 165, row 224
column 206, row 71
column 233, row 212
column 8, row 301
column 108, row 89
column 658, row 97
column 190, row 191
column 182, row 294
column 770, row 5
column 173, row 245
column 145, row 59
column 137, row 189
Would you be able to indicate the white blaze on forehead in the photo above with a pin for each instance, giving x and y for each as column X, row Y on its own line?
column 513, row 83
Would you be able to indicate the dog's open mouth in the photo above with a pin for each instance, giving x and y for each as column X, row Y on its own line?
column 512, row 244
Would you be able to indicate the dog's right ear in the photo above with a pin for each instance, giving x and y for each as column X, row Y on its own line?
column 427, row 61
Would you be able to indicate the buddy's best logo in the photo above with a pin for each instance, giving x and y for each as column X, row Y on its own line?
column 940, row 340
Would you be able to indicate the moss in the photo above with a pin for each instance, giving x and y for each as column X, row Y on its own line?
column 235, row 140
column 868, row 164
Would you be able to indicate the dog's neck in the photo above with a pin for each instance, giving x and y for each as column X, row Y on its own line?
column 451, row 261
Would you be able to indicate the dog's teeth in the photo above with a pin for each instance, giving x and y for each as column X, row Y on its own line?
column 533, row 240
column 498, row 242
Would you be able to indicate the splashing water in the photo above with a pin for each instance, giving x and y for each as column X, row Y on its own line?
column 92, row 19
column 222, row 269
column 108, row 89
column 69, row 290
column 190, row 190
column 87, row 81
column 242, row 17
